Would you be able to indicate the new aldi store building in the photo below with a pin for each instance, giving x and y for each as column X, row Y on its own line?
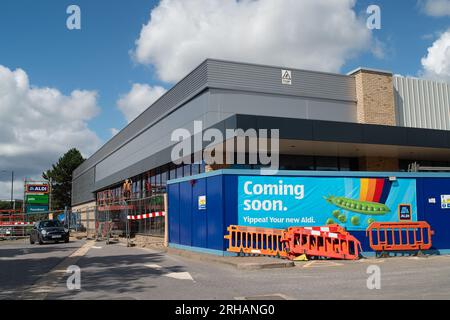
column 345, row 141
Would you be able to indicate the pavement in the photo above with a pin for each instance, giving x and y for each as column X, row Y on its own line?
column 239, row 262
column 116, row 272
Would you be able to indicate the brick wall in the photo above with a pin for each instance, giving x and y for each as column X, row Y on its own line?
column 378, row 164
column 375, row 95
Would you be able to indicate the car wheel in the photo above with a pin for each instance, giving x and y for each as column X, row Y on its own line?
column 40, row 240
column 31, row 240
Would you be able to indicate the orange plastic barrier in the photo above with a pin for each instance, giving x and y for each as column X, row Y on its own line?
column 317, row 242
column 261, row 241
column 399, row 236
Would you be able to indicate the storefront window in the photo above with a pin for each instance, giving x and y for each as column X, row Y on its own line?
column 164, row 176
column 187, row 170
column 180, row 171
column 327, row 164
column 195, row 169
column 172, row 172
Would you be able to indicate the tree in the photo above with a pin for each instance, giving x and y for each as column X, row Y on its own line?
column 61, row 178
column 6, row 205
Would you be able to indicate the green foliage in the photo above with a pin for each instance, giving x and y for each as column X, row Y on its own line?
column 6, row 205
column 61, row 176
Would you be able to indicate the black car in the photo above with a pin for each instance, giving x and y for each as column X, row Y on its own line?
column 49, row 230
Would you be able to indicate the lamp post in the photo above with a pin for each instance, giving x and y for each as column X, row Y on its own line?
column 12, row 189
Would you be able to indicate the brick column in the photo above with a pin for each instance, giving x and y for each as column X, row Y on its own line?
column 378, row 164
column 375, row 105
column 375, row 97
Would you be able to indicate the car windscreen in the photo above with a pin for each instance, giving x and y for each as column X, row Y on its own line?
column 50, row 224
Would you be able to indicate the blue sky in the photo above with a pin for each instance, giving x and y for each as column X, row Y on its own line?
column 34, row 38
column 121, row 53
column 407, row 32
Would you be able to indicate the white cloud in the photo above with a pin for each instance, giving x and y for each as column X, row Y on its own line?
column 5, row 188
column 138, row 99
column 436, row 64
column 436, row 8
column 38, row 125
column 311, row 34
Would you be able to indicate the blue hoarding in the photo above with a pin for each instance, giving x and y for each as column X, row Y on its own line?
column 281, row 202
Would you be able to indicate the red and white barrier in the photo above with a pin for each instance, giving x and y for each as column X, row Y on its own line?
column 147, row 215
column 13, row 224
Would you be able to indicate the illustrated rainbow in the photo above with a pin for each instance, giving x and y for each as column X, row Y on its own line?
column 375, row 190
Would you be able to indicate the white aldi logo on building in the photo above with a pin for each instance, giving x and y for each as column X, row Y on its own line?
column 445, row 201
column 286, row 77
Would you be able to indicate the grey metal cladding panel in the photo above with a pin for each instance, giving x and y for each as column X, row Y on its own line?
column 82, row 187
column 287, row 106
column 422, row 103
column 191, row 84
column 153, row 161
column 249, row 77
column 156, row 138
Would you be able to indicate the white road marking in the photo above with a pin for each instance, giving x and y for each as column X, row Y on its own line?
column 174, row 275
column 154, row 266
column 8, row 258
column 321, row 264
column 95, row 247
column 179, row 275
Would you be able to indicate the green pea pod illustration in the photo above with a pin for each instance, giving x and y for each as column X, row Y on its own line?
column 363, row 207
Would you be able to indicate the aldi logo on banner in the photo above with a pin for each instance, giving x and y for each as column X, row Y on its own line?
column 37, row 188
column 404, row 212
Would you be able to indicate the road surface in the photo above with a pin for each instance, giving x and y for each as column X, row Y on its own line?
column 117, row 272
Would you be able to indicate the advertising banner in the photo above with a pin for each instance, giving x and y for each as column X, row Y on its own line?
column 37, row 199
column 354, row 203
column 36, row 209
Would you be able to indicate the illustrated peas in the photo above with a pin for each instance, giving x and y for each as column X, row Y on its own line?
column 342, row 218
column 363, row 207
column 330, row 221
column 355, row 220
column 336, row 213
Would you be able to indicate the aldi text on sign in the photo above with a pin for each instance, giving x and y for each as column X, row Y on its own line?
column 37, row 188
